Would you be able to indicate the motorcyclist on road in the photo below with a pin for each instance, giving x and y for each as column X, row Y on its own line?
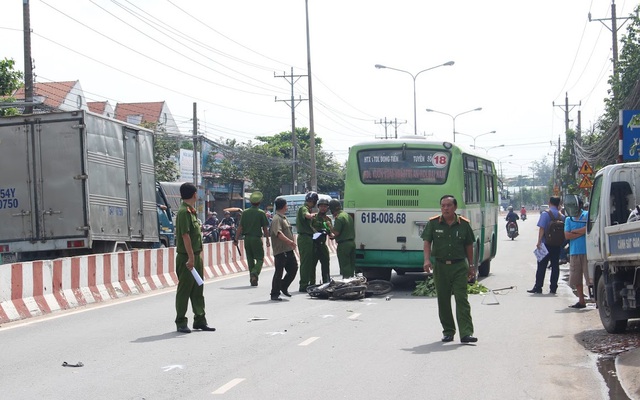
column 523, row 213
column 212, row 219
column 511, row 217
column 228, row 220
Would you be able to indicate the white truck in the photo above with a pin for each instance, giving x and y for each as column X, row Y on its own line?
column 77, row 183
column 613, row 243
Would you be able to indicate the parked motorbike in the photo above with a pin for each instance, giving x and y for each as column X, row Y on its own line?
column 225, row 233
column 209, row 233
column 512, row 230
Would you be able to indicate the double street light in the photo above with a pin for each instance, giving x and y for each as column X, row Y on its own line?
column 453, row 117
column 486, row 149
column 415, row 124
column 475, row 137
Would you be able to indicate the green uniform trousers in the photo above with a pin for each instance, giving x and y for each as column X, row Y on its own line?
column 322, row 252
column 187, row 290
column 255, row 254
column 308, row 261
column 346, row 252
column 452, row 280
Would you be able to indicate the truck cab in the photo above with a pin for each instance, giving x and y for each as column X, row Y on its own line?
column 613, row 243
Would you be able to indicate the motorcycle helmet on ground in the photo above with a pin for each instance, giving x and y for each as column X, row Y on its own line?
column 311, row 197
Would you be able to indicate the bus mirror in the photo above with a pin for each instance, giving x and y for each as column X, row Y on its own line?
column 571, row 205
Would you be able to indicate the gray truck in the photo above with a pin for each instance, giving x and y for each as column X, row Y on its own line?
column 77, row 183
column 613, row 243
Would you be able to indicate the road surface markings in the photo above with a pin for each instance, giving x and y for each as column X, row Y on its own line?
column 309, row 341
column 228, row 386
column 170, row 367
column 355, row 316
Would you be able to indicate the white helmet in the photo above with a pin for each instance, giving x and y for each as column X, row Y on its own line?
column 510, row 208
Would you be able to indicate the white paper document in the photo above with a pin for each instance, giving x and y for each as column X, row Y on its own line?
column 541, row 252
column 197, row 277
column 317, row 235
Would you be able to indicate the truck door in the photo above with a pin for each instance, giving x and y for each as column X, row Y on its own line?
column 134, row 183
column 58, row 179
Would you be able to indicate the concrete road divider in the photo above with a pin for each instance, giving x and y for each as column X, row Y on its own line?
column 35, row 288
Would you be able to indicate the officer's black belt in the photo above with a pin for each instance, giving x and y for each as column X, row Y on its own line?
column 346, row 240
column 449, row 262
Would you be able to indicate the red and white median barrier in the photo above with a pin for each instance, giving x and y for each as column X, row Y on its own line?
column 41, row 287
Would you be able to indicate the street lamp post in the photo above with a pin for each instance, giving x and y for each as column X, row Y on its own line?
column 475, row 137
column 486, row 149
column 500, row 162
column 453, row 117
column 415, row 124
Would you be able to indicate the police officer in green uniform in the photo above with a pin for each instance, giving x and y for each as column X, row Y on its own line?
column 254, row 224
column 448, row 238
column 188, row 257
column 308, row 258
column 344, row 233
column 321, row 223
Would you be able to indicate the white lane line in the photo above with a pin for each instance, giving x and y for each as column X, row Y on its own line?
column 355, row 316
column 228, row 386
column 309, row 341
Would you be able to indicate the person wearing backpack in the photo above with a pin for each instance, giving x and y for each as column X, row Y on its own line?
column 550, row 235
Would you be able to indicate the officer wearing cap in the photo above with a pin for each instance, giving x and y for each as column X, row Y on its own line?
column 308, row 259
column 322, row 223
column 254, row 224
column 449, row 239
column 345, row 234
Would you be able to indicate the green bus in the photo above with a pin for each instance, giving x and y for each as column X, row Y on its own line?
column 393, row 187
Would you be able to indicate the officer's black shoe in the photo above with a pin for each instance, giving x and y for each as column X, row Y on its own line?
column 469, row 339
column 447, row 338
column 204, row 328
column 286, row 293
column 184, row 329
column 275, row 298
column 534, row 290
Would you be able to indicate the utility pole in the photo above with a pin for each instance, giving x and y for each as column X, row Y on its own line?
column 312, row 135
column 568, row 107
column 195, row 148
column 386, row 125
column 292, row 79
column 28, row 66
column 395, row 125
column 614, row 33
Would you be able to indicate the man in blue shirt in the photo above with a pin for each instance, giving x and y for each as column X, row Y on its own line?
column 553, row 257
column 574, row 230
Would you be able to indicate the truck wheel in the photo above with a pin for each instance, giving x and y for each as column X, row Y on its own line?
column 484, row 268
column 606, row 314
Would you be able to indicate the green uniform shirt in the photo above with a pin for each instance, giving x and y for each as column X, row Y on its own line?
column 321, row 222
column 344, row 225
column 187, row 222
column 252, row 222
column 448, row 242
column 303, row 225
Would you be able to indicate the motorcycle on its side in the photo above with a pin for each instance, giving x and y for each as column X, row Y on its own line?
column 512, row 230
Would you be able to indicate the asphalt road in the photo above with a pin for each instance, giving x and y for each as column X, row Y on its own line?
column 312, row 349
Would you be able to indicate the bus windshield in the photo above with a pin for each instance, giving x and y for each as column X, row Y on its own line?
column 403, row 166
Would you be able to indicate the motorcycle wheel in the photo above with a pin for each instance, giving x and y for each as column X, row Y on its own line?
column 378, row 287
column 349, row 293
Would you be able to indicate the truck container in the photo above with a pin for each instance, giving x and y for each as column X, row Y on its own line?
column 78, row 183
column 613, row 243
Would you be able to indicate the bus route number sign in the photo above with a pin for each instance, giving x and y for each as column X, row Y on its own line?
column 383, row 218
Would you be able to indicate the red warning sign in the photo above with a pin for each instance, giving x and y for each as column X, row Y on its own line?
column 586, row 169
column 585, row 183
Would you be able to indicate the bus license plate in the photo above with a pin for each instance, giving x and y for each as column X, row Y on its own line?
column 383, row 218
